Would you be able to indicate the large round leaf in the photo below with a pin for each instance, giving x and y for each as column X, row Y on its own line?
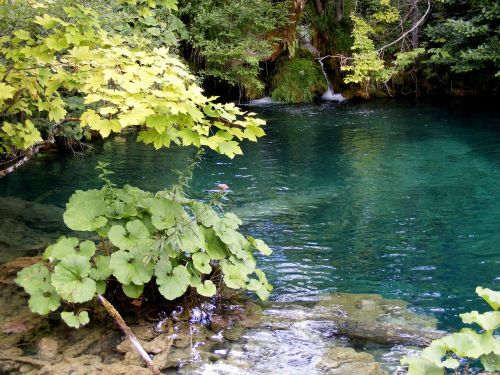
column 201, row 262
column 214, row 247
column 235, row 276
column 101, row 270
column 75, row 321
column 70, row 278
column 44, row 303
column 86, row 210
column 129, row 269
column 63, row 247
column 35, row 279
column 165, row 213
column 206, row 288
column 134, row 235
column 191, row 239
column 133, row 291
column 174, row 285
column 205, row 214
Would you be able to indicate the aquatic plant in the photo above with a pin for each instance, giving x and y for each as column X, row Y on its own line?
column 460, row 349
column 163, row 240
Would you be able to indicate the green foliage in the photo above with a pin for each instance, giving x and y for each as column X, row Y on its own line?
column 123, row 82
column 366, row 66
column 465, row 345
column 163, row 240
column 469, row 41
column 298, row 80
column 154, row 20
column 230, row 39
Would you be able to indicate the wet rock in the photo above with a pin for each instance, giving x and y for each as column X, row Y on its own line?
column 219, row 323
column 9, row 366
column 346, row 361
column 234, row 333
column 47, row 348
column 173, row 359
column 82, row 341
column 368, row 317
column 91, row 365
column 144, row 332
column 159, row 344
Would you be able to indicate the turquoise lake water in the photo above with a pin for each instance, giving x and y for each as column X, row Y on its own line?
column 400, row 199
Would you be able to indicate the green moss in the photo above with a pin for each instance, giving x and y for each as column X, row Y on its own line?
column 298, row 80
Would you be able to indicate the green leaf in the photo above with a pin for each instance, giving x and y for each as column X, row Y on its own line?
column 163, row 267
column 165, row 213
column 205, row 214
column 214, row 247
column 135, row 234
column 130, row 270
column 101, row 270
column 35, row 279
column 6, row 91
column 174, row 285
column 235, row 277
column 489, row 320
column 421, row 366
column 260, row 246
column 44, row 303
column 207, row 288
column 71, row 281
column 86, row 210
column 191, row 239
column 75, row 321
column 490, row 296
column 468, row 343
column 100, row 286
column 491, row 362
column 63, row 247
column 201, row 262
column 133, row 291
column 46, row 21
column 87, row 248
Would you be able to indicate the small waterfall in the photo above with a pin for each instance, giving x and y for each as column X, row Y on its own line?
column 329, row 95
column 266, row 100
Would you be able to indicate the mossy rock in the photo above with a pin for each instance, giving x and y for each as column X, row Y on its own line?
column 298, row 80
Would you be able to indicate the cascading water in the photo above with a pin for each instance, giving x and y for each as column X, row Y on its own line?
column 329, row 94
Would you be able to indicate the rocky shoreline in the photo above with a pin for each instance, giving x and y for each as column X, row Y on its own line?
column 209, row 336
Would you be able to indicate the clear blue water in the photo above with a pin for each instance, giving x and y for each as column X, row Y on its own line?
column 400, row 199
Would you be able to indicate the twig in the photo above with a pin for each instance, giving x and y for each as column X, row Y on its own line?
column 417, row 24
column 128, row 332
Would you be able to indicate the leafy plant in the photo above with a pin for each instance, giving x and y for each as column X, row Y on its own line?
column 163, row 240
column 123, row 82
column 465, row 346
column 298, row 80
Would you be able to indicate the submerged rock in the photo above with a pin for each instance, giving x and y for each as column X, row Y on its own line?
column 368, row 317
column 347, row 361
column 27, row 227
